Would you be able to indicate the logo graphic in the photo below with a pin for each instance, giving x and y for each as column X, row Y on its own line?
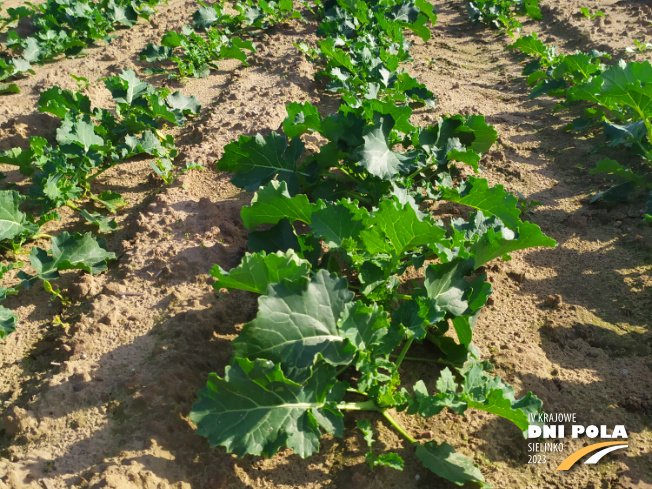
column 607, row 447
column 548, row 433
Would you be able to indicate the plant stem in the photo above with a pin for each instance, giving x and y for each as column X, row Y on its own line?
column 358, row 406
column 403, row 297
column 73, row 206
column 404, row 351
column 419, row 359
column 41, row 235
column 397, row 426
column 95, row 175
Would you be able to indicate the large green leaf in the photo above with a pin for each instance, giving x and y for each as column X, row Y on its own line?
column 446, row 284
column 273, row 203
column 256, row 271
column 126, row 87
column 257, row 160
column 13, row 223
column 492, row 244
column 375, row 155
column 444, row 461
column 295, row 326
column 395, row 228
column 82, row 252
column 59, row 102
column 492, row 201
column 338, row 224
column 629, row 85
column 80, row 132
column 256, row 410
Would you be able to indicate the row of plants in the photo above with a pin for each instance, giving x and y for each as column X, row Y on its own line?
column 197, row 48
column 352, row 268
column 615, row 98
column 61, row 27
column 503, row 14
column 89, row 141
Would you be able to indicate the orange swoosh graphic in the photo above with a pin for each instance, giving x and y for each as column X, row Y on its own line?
column 574, row 457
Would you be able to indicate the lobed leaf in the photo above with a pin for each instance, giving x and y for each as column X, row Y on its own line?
column 256, row 410
column 259, row 270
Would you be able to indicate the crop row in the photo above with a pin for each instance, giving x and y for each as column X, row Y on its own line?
column 332, row 234
column 617, row 98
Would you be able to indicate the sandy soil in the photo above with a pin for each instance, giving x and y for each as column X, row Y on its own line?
column 102, row 401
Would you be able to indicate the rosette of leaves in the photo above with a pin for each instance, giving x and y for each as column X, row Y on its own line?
column 363, row 72
column 366, row 155
column 251, row 15
column 195, row 54
column 501, row 14
column 320, row 337
column 379, row 23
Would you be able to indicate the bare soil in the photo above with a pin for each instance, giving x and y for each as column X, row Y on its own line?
column 102, row 400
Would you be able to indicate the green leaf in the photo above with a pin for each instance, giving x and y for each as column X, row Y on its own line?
column 80, row 132
column 31, row 49
column 13, row 223
column 444, row 461
column 273, row 203
column 492, row 201
column 446, row 285
column 8, row 322
column 375, row 155
column 338, row 224
column 530, row 45
column 485, row 135
column 82, row 252
column 102, row 222
column 256, row 271
column 126, row 87
column 6, row 88
column 395, row 228
column 302, row 118
column 234, row 49
column 613, row 167
column 149, row 144
column 389, row 459
column 204, row 17
column 490, row 394
column 153, row 52
column 59, row 102
column 256, row 410
column 492, row 244
column 295, row 326
column 280, row 237
column 113, row 201
column 365, row 326
column 182, row 105
column 45, row 266
column 256, row 161
column 630, row 85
